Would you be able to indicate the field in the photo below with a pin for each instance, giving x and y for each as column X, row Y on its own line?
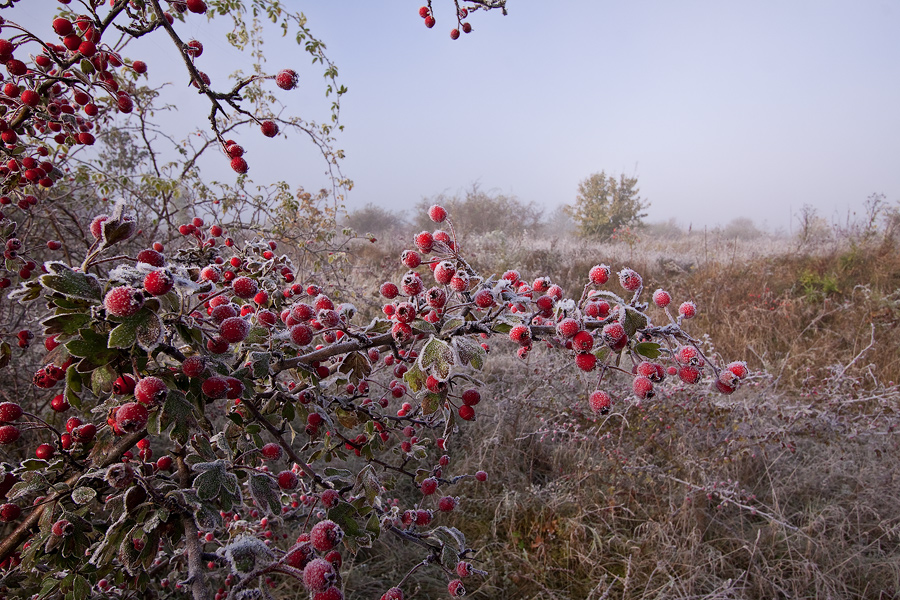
column 790, row 488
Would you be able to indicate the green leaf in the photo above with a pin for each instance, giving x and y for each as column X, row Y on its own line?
column 469, row 351
column 347, row 418
column 431, row 402
column 83, row 495
column 67, row 323
column 63, row 279
column 178, row 413
column 415, row 377
column 257, row 335
column 344, row 515
column 437, row 358
column 124, row 335
column 634, row 320
column 648, row 349
column 102, row 380
column 88, row 344
column 265, row 493
column 367, row 481
column 259, row 364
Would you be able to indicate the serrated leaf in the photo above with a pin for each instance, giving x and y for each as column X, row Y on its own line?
column 469, row 351
column 102, row 380
column 431, row 402
column 367, row 481
column 265, row 493
column 178, row 413
column 415, row 377
column 28, row 291
column 634, row 320
column 356, row 365
column 452, row 324
column 63, row 279
column 83, row 495
column 257, row 335
column 437, row 358
column 66, row 323
column 347, row 418
column 88, row 344
column 648, row 349
column 259, row 364
column 123, row 335
column 344, row 515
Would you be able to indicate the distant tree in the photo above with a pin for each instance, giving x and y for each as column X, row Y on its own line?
column 480, row 212
column 605, row 203
column 376, row 220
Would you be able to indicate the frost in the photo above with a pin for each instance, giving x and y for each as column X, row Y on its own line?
column 246, row 554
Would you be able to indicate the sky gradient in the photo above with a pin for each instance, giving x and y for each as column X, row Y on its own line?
column 721, row 109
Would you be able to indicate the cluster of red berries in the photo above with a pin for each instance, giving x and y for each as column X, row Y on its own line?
column 428, row 16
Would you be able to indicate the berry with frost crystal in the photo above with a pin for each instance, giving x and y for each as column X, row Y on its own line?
column 158, row 282
column 585, row 361
column 447, row 504
column 466, row 413
column 271, row 451
column 661, row 298
column 8, row 434
column 727, row 382
column 424, row 242
column 688, row 310
column 642, row 387
column 429, row 486
column 455, row 587
column 688, row 355
column 481, row 476
column 215, row 387
column 123, row 301
column 9, row 512
column 444, row 272
column 389, row 290
column 652, row 371
column 318, row 575
column 471, row 397
column 325, row 535
column 234, row 330
column 582, row 341
column 597, row 309
column 613, row 334
column 330, row 498
column 599, row 274
column 689, row 374
column 521, row 335
column 9, row 412
column 244, row 287
column 287, row 480
column 463, row 569
column 630, row 280
column 512, row 276
column 460, row 281
column 286, row 79
column 131, row 417
column 484, row 298
column 567, row 328
column 301, row 334
column 600, row 402
column 437, row 213
column 150, row 391
column 394, row 593
column 410, row 258
column 411, row 284
column 739, row 368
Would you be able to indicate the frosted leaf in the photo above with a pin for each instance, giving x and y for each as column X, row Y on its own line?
column 63, row 279
column 246, row 554
column 469, row 351
column 437, row 358
column 567, row 305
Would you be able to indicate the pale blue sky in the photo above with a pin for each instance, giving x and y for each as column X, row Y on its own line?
column 722, row 109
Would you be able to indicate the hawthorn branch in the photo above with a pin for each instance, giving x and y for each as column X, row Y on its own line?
column 195, row 578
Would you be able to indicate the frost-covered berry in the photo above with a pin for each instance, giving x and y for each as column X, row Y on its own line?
column 481, row 476
column 424, row 517
column 424, row 242
column 150, row 391
column 271, row 451
column 642, row 387
column 471, row 397
column 244, row 287
column 332, row 593
column 600, row 402
column 8, row 434
column 739, row 368
column 234, row 330
column 599, row 274
column 9, row 512
column 463, row 569
column 437, row 213
column 288, row 480
column 613, row 333
column 662, row 298
column 239, row 165
column 301, row 334
column 484, row 298
column 389, row 290
column 158, row 282
column 410, row 258
column 512, row 276
column 286, row 79
column 62, row 528
column 630, row 280
column 300, row 555
column 688, row 310
column 123, row 301
column 9, row 412
column 727, row 382
column 582, row 341
column 689, row 374
column 444, row 272
column 401, row 332
column 131, row 417
column 455, row 587
column 325, row 535
column 330, row 498
column 151, row 257
column 460, row 281
column 521, row 335
column 567, row 327
column 411, row 284
column 429, row 486
column 193, row 366
column 394, row 593
column 215, row 387
column 318, row 575
column 447, row 504
column 585, row 361
column 598, row 309
column 688, row 355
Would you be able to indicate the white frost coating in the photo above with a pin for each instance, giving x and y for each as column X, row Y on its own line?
column 243, row 548
column 566, row 305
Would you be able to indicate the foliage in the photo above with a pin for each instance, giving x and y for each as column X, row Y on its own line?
column 604, row 204
column 479, row 212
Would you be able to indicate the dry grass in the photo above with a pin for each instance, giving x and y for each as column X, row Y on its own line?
column 790, row 488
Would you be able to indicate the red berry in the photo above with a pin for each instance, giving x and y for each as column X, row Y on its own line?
column 44, row 451
column 139, row 66
column 151, row 257
column 271, row 451
column 196, row 6
column 62, row 528
column 447, row 504
column 585, row 361
column 244, row 287
column 239, row 165
column 234, row 330
column 269, row 128
column 286, row 79
column 8, row 434
column 455, row 587
column 739, row 368
column 429, row 486
column 97, row 226
column 454, row 34
column 521, row 335
column 159, row 282
column 194, row 48
column 471, row 397
column 123, row 301
column 325, row 535
column 215, row 387
column 630, row 280
column 567, row 328
column 151, row 391
column 84, row 433
column 600, row 402
column 689, row 374
column 9, row 412
column 62, row 27
column 466, row 27
column 582, row 341
column 287, row 480
column 9, row 512
column 193, row 366
column 661, row 298
column 318, row 575
column 131, row 417
column 727, row 382
column 389, row 290
column 466, row 413
column 424, row 242
column 688, row 355
column 642, row 387
column 59, row 403
column 429, row 21
column 437, row 213
column 301, row 334
column 688, row 310
column 423, row 11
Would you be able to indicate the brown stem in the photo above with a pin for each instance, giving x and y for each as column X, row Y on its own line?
column 195, row 578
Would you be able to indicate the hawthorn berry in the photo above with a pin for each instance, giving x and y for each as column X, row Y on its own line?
column 215, row 387
column 630, row 280
column 159, row 282
column 688, row 310
column 466, row 413
column 269, row 128
column 600, row 402
column 151, row 391
column 429, row 486
column 521, row 335
column 287, row 480
column 123, row 301
column 44, row 451
column 234, row 330
column 325, row 535
column 151, row 257
column 455, row 587
column 318, row 575
column 239, row 165
column 9, row 434
column 271, row 451
column 9, row 412
column 9, row 512
column 437, row 213
column 286, row 79
column 599, row 274
column 662, row 298
column 585, row 361
column 447, row 504
column 739, row 368
column 394, row 593
column 642, row 387
column 481, row 476
column 59, row 403
column 429, row 21
column 244, row 287
column 131, row 417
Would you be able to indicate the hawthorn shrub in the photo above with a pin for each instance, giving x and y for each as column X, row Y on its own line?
column 207, row 414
